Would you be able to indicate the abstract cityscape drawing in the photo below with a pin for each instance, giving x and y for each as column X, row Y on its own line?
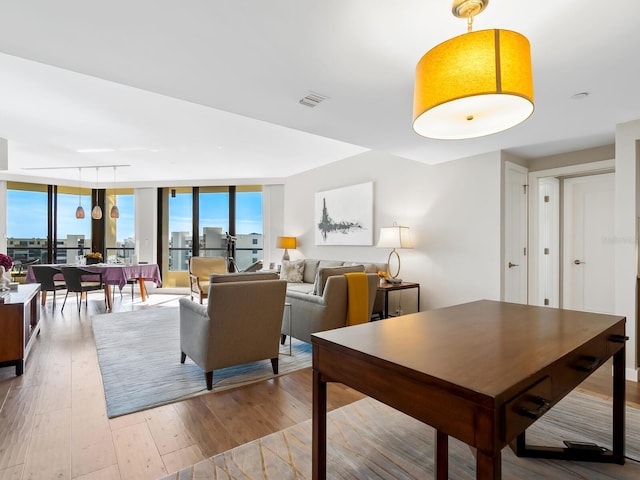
column 344, row 216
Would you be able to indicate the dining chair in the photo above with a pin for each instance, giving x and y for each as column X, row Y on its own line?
column 81, row 280
column 45, row 276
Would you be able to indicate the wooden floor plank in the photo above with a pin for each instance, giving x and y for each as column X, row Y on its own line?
column 167, row 429
column 110, row 473
column 208, row 430
column 184, row 457
column 91, row 444
column 16, row 424
column 138, row 457
column 11, row 473
column 50, row 447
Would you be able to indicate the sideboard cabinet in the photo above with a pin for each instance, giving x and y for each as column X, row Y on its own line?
column 19, row 324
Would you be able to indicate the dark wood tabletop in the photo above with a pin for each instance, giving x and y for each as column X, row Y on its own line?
column 460, row 369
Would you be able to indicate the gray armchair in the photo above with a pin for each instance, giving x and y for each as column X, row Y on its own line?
column 240, row 324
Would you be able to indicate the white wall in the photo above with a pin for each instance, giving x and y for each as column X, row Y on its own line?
column 453, row 210
column 146, row 214
column 272, row 222
column 3, row 216
column 627, row 209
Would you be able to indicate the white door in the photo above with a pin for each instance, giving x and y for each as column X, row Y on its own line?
column 515, row 231
column 588, row 254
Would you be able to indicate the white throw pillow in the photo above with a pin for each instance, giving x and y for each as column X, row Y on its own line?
column 292, row 271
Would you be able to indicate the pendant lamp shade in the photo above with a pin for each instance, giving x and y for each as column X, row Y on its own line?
column 114, row 213
column 473, row 85
column 96, row 212
column 79, row 210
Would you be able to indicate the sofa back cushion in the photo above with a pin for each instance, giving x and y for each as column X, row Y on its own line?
column 292, row 271
column 242, row 277
column 310, row 270
column 326, row 272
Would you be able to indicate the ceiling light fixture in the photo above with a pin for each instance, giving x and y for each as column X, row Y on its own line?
column 96, row 212
column 475, row 84
column 115, row 213
column 79, row 210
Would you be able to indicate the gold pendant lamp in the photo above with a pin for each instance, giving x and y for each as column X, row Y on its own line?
column 475, row 84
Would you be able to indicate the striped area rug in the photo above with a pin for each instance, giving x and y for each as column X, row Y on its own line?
column 139, row 358
column 368, row 440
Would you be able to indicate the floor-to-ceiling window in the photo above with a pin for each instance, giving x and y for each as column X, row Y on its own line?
column 72, row 235
column 224, row 221
column 249, row 244
column 180, row 217
column 27, row 221
column 213, row 220
column 120, row 231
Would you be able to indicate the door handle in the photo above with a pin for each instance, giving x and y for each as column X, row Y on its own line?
column 578, row 262
column 513, row 265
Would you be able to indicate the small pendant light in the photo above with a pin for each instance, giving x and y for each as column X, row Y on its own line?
column 115, row 213
column 80, row 210
column 96, row 212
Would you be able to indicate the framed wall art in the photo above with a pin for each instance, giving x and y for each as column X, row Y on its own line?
column 344, row 216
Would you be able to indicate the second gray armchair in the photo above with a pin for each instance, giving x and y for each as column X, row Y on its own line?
column 240, row 324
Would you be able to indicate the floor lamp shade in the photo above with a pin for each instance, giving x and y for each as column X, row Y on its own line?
column 473, row 85
column 286, row 243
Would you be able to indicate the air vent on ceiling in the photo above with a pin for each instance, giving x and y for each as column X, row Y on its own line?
column 312, row 99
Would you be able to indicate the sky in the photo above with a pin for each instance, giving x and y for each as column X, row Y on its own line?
column 27, row 214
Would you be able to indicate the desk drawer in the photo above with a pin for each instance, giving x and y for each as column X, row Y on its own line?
column 526, row 408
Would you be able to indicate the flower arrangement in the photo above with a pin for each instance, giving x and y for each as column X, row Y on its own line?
column 383, row 276
column 94, row 255
column 6, row 261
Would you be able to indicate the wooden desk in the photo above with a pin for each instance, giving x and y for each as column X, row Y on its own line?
column 481, row 372
column 392, row 287
column 19, row 325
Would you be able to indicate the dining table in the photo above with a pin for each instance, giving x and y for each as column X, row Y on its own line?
column 116, row 274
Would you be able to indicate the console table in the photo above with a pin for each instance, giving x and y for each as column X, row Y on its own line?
column 481, row 372
column 392, row 287
column 19, row 324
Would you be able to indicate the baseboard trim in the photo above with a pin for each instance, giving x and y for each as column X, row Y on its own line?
column 632, row 374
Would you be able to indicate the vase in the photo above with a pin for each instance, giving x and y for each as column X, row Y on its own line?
column 4, row 281
column 93, row 261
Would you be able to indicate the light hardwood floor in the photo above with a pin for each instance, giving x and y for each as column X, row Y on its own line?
column 53, row 423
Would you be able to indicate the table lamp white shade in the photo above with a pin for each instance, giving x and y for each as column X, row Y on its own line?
column 286, row 243
column 394, row 237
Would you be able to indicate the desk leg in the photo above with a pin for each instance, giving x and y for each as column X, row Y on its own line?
column 319, row 428
column 107, row 294
column 143, row 290
column 488, row 467
column 618, row 406
column 386, row 304
column 43, row 298
column 441, row 465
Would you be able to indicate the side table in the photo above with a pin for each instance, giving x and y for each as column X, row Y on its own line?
column 392, row 287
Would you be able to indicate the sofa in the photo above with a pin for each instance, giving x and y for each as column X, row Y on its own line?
column 318, row 295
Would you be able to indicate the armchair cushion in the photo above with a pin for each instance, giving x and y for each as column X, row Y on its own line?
column 199, row 270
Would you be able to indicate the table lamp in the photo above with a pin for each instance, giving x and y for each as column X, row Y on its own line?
column 394, row 237
column 286, row 243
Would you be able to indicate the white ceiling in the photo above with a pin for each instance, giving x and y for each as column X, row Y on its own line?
column 208, row 90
